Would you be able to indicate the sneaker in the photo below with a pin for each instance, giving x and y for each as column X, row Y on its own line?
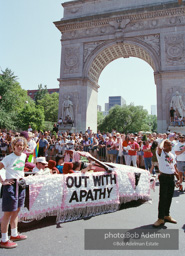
column 8, row 245
column 18, row 238
column 158, row 223
column 170, row 219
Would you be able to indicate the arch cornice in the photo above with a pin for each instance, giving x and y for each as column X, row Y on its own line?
column 167, row 10
column 101, row 56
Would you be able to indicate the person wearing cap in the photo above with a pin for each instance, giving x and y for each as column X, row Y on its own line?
column 41, row 163
column 168, row 169
column 180, row 153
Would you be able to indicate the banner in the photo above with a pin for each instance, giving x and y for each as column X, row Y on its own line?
column 90, row 189
column 89, row 195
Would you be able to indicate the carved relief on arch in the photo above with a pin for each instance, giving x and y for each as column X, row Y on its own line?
column 90, row 47
column 71, row 60
column 153, row 41
column 174, row 49
column 146, row 24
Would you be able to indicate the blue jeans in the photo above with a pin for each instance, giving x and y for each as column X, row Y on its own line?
column 148, row 163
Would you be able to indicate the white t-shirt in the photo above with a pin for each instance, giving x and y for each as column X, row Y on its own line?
column 58, row 147
column 166, row 162
column 14, row 166
column 178, row 147
column 35, row 169
column 45, row 171
column 31, row 145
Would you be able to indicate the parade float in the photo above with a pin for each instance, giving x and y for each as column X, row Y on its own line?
column 75, row 196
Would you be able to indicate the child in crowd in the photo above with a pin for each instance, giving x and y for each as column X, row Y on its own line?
column 13, row 193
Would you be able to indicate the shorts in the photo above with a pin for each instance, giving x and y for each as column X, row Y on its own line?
column 181, row 166
column 10, row 201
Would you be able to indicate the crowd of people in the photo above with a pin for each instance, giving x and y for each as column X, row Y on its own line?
column 151, row 151
column 136, row 149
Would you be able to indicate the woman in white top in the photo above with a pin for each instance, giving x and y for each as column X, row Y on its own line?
column 13, row 194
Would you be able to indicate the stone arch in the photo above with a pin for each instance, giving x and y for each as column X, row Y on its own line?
column 109, row 52
column 96, row 32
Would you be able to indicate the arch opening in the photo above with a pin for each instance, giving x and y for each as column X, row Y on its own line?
column 115, row 51
column 132, row 79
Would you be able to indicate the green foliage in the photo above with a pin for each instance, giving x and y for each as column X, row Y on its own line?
column 32, row 115
column 145, row 128
column 48, row 126
column 13, row 97
column 40, row 93
column 100, row 118
column 152, row 121
column 6, row 119
column 50, row 102
column 124, row 119
column 13, row 100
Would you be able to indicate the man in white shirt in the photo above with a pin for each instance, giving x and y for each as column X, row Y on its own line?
column 167, row 167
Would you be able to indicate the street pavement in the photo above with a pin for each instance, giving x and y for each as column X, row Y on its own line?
column 47, row 239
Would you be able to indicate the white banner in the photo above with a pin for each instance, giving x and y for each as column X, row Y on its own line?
column 90, row 190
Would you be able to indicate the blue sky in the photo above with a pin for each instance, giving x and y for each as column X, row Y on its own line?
column 30, row 46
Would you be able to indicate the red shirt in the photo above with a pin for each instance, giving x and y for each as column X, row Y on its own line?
column 147, row 153
column 133, row 145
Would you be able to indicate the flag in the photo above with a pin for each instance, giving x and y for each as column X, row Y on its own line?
column 36, row 150
column 30, row 158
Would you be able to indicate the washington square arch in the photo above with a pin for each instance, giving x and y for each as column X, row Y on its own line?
column 97, row 32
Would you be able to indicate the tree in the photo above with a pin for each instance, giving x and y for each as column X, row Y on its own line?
column 50, row 102
column 6, row 119
column 124, row 119
column 151, row 121
column 40, row 93
column 100, row 118
column 13, row 99
column 32, row 115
